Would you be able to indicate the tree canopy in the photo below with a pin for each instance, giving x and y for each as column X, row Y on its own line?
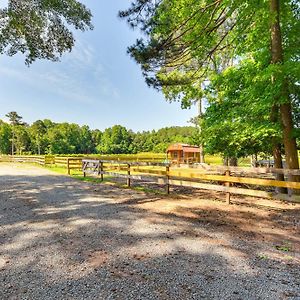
column 241, row 56
column 41, row 29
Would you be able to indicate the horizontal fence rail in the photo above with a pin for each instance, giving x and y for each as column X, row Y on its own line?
column 38, row 159
column 202, row 177
column 69, row 163
column 74, row 162
column 257, row 182
column 247, row 170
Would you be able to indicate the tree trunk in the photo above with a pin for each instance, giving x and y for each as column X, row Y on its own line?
column 39, row 146
column 254, row 160
column 285, row 109
column 277, row 153
column 230, row 161
column 202, row 160
column 278, row 165
column 12, row 142
column 225, row 161
column 200, row 113
column 289, row 141
column 233, row 161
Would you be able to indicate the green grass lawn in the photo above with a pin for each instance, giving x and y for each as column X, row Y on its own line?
column 218, row 160
column 62, row 170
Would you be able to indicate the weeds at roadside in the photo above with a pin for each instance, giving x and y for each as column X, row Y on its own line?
column 285, row 247
column 90, row 179
column 262, row 256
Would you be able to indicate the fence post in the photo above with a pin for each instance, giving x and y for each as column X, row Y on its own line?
column 128, row 173
column 98, row 169
column 68, row 166
column 101, row 169
column 227, row 173
column 168, row 177
column 83, row 168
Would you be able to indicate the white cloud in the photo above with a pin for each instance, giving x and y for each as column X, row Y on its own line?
column 79, row 77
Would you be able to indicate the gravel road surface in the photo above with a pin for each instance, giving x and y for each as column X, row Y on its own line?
column 65, row 239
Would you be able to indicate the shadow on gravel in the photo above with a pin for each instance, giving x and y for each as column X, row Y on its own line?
column 61, row 238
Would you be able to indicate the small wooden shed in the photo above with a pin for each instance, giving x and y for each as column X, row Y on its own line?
column 183, row 153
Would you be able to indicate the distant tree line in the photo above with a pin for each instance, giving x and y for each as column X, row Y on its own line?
column 47, row 137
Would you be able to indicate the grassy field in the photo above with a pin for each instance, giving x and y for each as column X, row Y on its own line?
column 160, row 157
column 218, row 160
column 209, row 159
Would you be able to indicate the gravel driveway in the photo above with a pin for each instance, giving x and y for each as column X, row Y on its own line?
column 65, row 239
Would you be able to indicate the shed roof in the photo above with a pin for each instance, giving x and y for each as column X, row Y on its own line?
column 183, row 147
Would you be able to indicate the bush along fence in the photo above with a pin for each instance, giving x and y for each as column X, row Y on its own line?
column 256, row 182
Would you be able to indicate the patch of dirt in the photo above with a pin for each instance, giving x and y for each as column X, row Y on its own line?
column 97, row 259
column 60, row 236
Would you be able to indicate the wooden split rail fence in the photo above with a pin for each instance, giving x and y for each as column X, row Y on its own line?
column 75, row 162
column 257, row 182
column 230, row 180
column 37, row 159
column 69, row 163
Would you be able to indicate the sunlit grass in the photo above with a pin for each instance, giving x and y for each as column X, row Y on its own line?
column 62, row 170
column 213, row 159
column 218, row 160
column 148, row 190
column 92, row 179
column 244, row 162
column 108, row 180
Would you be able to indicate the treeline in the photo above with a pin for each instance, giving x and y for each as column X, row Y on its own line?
column 47, row 137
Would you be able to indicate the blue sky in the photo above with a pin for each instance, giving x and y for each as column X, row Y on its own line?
column 96, row 84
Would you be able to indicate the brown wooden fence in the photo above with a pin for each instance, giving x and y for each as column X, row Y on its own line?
column 70, row 163
column 75, row 162
column 38, row 159
column 256, row 182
